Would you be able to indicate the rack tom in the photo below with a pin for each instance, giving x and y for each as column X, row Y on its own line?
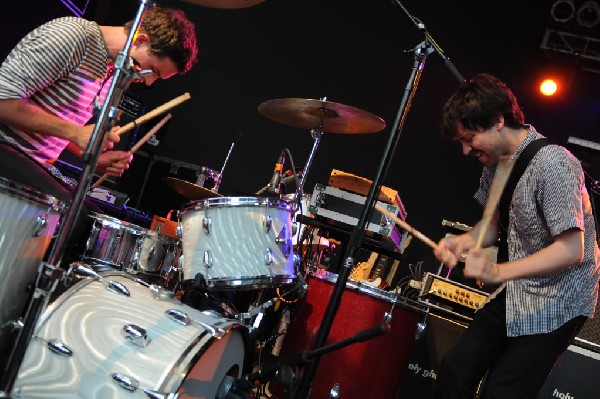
column 238, row 242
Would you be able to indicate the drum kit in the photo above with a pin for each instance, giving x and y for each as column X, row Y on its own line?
column 142, row 313
column 126, row 322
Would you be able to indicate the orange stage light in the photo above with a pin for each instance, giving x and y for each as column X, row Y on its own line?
column 548, row 87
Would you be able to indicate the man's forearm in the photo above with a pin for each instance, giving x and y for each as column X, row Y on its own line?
column 22, row 114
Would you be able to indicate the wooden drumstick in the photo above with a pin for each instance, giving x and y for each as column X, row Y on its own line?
column 406, row 226
column 150, row 133
column 503, row 169
column 139, row 144
column 155, row 112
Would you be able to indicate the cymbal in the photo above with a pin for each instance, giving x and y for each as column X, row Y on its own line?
column 225, row 3
column 330, row 117
column 189, row 190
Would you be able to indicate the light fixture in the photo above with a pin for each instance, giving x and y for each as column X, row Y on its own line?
column 562, row 11
column 548, row 87
column 588, row 14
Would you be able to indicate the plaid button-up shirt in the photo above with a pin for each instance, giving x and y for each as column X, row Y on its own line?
column 550, row 198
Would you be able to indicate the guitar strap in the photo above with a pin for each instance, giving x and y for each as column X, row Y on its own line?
column 506, row 198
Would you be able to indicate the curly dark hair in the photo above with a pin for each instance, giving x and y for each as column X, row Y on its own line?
column 478, row 104
column 171, row 35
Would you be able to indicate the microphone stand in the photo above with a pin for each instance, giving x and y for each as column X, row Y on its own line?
column 51, row 271
column 426, row 47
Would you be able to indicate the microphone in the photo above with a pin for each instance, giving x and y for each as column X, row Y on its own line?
column 289, row 177
column 274, row 184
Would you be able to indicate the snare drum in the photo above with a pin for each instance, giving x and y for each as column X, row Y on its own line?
column 370, row 369
column 126, row 246
column 28, row 221
column 112, row 242
column 120, row 344
column 238, row 242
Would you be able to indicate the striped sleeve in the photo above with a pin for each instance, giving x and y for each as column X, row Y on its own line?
column 39, row 59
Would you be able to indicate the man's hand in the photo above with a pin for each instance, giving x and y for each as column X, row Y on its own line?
column 82, row 138
column 448, row 251
column 479, row 266
column 114, row 163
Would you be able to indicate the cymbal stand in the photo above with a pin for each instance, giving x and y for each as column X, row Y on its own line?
column 51, row 271
column 316, row 134
column 421, row 51
column 216, row 188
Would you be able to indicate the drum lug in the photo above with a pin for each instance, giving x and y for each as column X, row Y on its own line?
column 284, row 243
column 57, row 346
column 208, row 260
column 111, row 285
column 40, row 225
column 294, row 228
column 179, row 316
column 421, row 326
column 297, row 260
column 335, row 391
column 117, row 288
column 131, row 384
column 387, row 318
column 136, row 335
column 184, row 319
column 206, row 225
column 269, row 256
column 267, row 222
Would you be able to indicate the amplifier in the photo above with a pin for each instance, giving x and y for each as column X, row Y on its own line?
column 345, row 207
column 451, row 297
column 574, row 376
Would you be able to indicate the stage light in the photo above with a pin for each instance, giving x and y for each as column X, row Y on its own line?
column 588, row 14
column 548, row 87
column 563, row 11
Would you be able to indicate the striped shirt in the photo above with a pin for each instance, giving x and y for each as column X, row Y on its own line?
column 549, row 199
column 61, row 67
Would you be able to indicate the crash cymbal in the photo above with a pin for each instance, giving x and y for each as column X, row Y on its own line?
column 189, row 190
column 328, row 116
column 225, row 3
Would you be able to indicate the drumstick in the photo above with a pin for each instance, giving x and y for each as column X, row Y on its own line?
column 151, row 133
column 503, row 169
column 406, row 226
column 137, row 145
column 155, row 112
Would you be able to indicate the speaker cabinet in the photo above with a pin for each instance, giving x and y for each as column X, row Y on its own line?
column 589, row 336
column 440, row 335
column 575, row 375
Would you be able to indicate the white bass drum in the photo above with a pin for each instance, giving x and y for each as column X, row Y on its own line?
column 128, row 346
